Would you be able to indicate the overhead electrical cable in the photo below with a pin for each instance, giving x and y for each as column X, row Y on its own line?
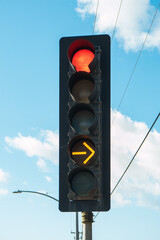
column 95, row 16
column 135, row 154
column 129, row 80
column 116, row 20
column 133, row 158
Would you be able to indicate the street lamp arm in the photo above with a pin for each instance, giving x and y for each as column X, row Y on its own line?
column 46, row 195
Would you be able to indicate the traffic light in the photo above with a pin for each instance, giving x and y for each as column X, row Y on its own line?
column 84, row 179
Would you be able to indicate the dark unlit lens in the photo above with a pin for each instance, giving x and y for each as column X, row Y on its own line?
column 82, row 121
column 83, row 183
column 82, row 90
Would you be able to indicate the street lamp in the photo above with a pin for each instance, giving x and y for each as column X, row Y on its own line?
column 40, row 193
column 46, row 195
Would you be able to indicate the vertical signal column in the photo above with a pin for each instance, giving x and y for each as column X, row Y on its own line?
column 82, row 151
column 84, row 171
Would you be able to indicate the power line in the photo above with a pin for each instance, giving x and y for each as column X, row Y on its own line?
column 135, row 154
column 132, row 158
column 95, row 16
column 116, row 20
column 124, row 93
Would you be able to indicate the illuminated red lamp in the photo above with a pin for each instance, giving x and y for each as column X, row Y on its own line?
column 81, row 55
column 82, row 59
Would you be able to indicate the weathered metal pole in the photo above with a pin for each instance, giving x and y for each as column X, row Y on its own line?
column 77, row 229
column 87, row 220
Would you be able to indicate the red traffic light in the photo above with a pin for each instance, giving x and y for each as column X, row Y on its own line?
column 82, row 59
column 81, row 55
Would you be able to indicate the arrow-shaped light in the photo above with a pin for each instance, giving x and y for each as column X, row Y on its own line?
column 79, row 153
column 91, row 155
column 84, row 153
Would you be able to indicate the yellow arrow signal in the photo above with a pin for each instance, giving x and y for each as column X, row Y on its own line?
column 84, row 153
column 79, row 153
column 91, row 155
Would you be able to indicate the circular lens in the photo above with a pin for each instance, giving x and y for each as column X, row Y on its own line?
column 83, row 183
column 82, row 87
column 82, row 90
column 81, row 60
column 82, row 120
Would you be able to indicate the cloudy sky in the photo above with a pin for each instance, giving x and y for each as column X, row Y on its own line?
column 29, row 103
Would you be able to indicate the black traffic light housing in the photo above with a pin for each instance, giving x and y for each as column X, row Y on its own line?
column 84, row 155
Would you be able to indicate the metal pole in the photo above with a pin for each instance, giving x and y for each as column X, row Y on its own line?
column 87, row 220
column 77, row 230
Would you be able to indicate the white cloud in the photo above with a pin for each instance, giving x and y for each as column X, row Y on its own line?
column 3, row 176
column 140, row 185
column 49, row 179
column 25, row 183
column 3, row 191
column 3, row 179
column 45, row 147
column 133, row 22
column 42, row 165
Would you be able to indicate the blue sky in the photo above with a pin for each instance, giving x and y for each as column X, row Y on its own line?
column 29, row 119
